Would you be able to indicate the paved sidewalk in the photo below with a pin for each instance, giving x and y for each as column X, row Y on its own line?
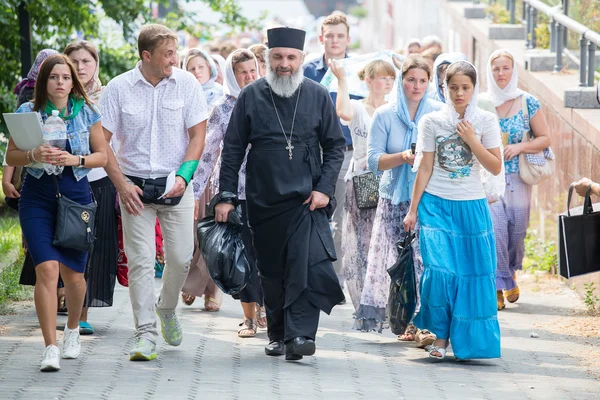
column 213, row 363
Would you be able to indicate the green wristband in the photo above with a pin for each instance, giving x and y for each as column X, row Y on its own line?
column 186, row 171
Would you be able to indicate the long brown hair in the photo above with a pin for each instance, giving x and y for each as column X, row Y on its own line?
column 40, row 96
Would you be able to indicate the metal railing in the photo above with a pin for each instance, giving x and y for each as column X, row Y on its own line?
column 559, row 25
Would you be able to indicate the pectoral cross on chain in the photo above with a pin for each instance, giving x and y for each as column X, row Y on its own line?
column 289, row 148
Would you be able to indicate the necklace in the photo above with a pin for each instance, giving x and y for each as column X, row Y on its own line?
column 509, row 108
column 289, row 146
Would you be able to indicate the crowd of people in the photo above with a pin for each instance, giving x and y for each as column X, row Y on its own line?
column 254, row 124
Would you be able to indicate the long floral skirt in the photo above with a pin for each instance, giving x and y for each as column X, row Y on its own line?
column 388, row 228
column 357, row 226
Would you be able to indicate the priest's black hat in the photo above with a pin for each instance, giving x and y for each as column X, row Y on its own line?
column 286, row 37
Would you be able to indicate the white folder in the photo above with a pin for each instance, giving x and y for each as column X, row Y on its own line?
column 26, row 130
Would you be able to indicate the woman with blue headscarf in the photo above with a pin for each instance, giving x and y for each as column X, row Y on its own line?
column 203, row 67
column 439, row 73
column 393, row 130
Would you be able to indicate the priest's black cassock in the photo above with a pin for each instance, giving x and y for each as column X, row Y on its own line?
column 294, row 246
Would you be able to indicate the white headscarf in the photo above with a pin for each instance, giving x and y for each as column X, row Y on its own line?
column 219, row 60
column 511, row 91
column 230, row 84
column 494, row 186
column 472, row 112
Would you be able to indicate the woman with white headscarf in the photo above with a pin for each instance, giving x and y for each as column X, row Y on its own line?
column 204, row 68
column 519, row 113
column 220, row 63
column 439, row 73
column 241, row 69
column 393, row 130
column 456, row 234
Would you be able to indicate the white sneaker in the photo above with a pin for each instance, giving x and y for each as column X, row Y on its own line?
column 71, row 347
column 50, row 359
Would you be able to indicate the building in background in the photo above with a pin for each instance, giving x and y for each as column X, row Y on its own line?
column 320, row 8
column 389, row 24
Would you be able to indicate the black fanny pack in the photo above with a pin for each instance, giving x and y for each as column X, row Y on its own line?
column 153, row 189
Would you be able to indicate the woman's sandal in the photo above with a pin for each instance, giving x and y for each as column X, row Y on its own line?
column 85, row 328
column 512, row 295
column 409, row 335
column 434, row 349
column 211, row 304
column 248, row 328
column 424, row 338
column 500, row 300
column 62, row 304
column 188, row 299
column 261, row 317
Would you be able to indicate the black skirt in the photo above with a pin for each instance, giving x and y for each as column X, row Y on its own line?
column 101, row 270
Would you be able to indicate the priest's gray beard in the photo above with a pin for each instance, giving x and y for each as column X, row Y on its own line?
column 284, row 86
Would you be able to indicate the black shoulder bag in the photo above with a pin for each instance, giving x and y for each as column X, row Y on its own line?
column 366, row 190
column 75, row 223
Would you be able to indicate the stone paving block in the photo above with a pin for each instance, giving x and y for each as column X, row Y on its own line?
column 213, row 363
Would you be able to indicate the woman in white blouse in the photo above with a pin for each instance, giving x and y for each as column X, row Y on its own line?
column 379, row 76
column 458, row 287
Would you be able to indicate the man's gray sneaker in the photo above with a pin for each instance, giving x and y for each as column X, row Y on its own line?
column 144, row 350
column 170, row 327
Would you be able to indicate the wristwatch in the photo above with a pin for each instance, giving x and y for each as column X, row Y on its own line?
column 81, row 161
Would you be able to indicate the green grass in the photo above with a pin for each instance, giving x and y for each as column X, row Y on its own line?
column 10, row 289
column 10, row 235
column 540, row 255
column 11, row 260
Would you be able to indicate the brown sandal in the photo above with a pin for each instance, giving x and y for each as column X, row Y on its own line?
column 248, row 328
column 424, row 338
column 188, row 299
column 512, row 295
column 500, row 300
column 409, row 335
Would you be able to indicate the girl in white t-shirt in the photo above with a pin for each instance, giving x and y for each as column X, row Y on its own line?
column 379, row 76
column 455, row 147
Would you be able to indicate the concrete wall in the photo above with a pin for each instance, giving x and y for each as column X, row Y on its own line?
column 575, row 133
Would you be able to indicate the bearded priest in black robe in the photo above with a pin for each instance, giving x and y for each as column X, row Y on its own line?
column 295, row 157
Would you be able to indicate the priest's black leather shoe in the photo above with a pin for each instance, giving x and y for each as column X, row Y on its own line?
column 298, row 347
column 275, row 348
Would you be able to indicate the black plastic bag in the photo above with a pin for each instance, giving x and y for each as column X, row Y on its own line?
column 224, row 252
column 403, row 288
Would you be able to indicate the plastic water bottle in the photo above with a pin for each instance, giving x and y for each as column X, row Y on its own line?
column 55, row 134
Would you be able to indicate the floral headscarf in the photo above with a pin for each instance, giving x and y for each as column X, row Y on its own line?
column 94, row 87
column 29, row 81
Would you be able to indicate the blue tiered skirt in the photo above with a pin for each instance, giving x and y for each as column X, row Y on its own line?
column 458, row 289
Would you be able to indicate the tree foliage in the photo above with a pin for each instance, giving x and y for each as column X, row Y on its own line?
column 54, row 23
